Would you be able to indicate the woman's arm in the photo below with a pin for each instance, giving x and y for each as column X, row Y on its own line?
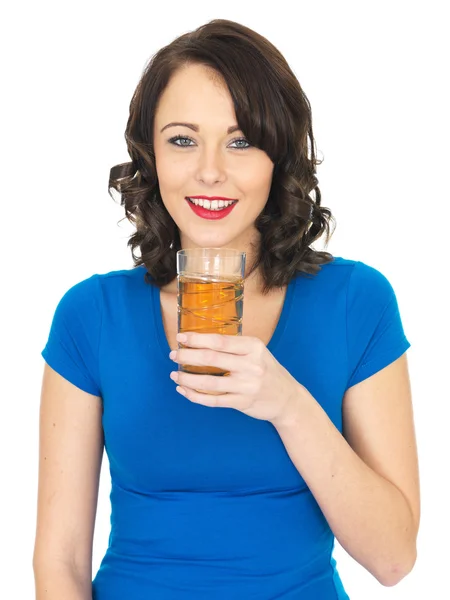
column 367, row 481
column 53, row 581
column 70, row 456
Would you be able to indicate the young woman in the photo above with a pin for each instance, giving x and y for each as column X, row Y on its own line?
column 239, row 495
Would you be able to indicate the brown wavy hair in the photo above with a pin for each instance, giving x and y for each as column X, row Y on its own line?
column 273, row 113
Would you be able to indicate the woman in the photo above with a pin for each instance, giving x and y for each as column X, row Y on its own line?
column 238, row 495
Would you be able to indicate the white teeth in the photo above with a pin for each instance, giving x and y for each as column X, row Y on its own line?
column 211, row 204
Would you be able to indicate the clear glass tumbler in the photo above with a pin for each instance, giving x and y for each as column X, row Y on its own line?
column 210, row 295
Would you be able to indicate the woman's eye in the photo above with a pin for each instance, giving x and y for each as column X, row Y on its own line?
column 180, row 140
column 241, row 147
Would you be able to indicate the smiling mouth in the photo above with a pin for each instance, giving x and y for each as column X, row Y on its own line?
column 212, row 205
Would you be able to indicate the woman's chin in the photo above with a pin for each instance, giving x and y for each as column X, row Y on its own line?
column 207, row 241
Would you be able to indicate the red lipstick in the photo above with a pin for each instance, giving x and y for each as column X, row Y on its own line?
column 212, row 215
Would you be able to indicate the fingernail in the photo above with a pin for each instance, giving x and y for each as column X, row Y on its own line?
column 181, row 337
column 174, row 376
column 173, row 354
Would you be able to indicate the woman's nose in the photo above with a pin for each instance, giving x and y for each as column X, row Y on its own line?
column 211, row 166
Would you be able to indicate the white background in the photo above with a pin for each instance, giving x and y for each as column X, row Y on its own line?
column 376, row 75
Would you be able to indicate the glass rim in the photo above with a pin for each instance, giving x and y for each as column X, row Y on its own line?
column 200, row 251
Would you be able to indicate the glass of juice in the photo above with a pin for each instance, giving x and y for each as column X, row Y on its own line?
column 210, row 295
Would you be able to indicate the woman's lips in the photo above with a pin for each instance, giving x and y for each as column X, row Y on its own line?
column 212, row 215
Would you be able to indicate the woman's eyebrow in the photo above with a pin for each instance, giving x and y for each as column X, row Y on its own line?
column 196, row 128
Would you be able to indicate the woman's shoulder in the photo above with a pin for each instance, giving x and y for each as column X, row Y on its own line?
column 91, row 289
column 361, row 283
column 124, row 285
column 122, row 275
column 339, row 264
column 351, row 269
column 116, row 280
column 336, row 270
column 346, row 277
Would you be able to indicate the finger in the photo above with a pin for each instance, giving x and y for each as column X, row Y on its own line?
column 233, row 344
column 208, row 383
column 206, row 357
column 222, row 401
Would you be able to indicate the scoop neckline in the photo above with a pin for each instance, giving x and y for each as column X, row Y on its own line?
column 271, row 345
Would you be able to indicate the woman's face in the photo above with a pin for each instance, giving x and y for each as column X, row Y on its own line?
column 208, row 160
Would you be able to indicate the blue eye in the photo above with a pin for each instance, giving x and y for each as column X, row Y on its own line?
column 179, row 137
column 183, row 137
column 241, row 140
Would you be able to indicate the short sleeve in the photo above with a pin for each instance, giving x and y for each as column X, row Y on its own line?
column 73, row 342
column 375, row 335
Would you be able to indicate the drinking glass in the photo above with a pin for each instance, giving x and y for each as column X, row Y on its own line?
column 210, row 295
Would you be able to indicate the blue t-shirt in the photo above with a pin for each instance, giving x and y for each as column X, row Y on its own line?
column 205, row 502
